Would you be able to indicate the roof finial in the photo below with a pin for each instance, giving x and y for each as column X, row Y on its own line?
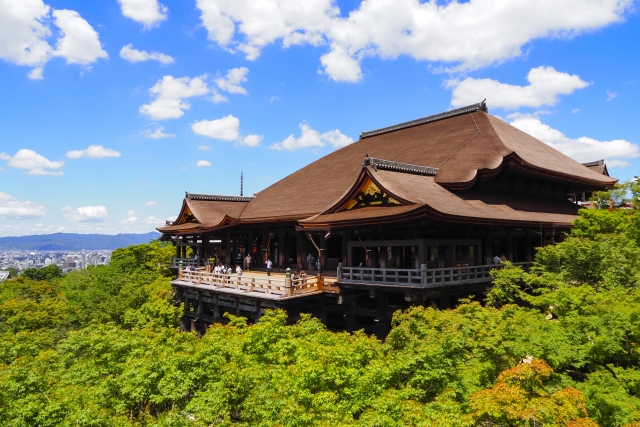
column 241, row 183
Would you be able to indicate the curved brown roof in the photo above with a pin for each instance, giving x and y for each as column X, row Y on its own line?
column 208, row 211
column 462, row 146
column 428, row 199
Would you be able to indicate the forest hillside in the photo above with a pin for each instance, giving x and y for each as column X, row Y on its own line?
column 556, row 346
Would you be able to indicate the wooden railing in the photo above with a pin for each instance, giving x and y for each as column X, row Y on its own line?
column 286, row 287
column 421, row 277
column 186, row 262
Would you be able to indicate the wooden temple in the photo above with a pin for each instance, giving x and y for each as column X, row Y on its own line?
column 410, row 214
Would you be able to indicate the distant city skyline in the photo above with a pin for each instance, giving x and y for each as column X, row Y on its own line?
column 113, row 109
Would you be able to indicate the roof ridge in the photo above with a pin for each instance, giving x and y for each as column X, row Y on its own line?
column 594, row 163
column 393, row 166
column 481, row 106
column 216, row 197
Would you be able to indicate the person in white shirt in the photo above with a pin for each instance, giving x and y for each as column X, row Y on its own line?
column 497, row 260
column 238, row 271
column 269, row 265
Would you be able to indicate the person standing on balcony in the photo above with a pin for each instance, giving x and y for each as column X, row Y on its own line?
column 310, row 260
column 238, row 271
column 496, row 260
column 248, row 261
column 269, row 266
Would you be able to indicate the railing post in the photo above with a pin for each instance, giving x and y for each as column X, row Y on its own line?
column 287, row 283
column 339, row 272
column 423, row 274
column 320, row 283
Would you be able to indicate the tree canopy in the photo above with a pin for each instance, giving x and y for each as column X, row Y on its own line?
column 554, row 346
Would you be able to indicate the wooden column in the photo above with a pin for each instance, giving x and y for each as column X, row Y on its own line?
column 527, row 247
column 281, row 255
column 301, row 246
column 177, row 251
column 509, row 253
column 345, row 255
column 184, row 252
column 216, row 309
column 488, row 248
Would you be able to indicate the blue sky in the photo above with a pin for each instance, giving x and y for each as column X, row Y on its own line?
column 111, row 109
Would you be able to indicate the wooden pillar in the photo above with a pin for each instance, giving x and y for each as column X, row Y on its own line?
column 301, row 246
column 488, row 249
column 281, row 254
column 451, row 255
column 177, row 251
column 237, row 301
column 509, row 253
column 351, row 316
column 257, row 310
column 216, row 309
column 184, row 252
column 345, row 256
column 527, row 247
column 227, row 246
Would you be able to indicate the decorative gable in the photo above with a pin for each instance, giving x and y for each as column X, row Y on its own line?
column 370, row 195
column 186, row 217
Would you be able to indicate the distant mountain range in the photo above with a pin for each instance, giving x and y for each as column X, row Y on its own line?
column 75, row 242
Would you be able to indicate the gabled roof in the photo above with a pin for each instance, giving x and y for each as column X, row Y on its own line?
column 201, row 212
column 462, row 145
column 598, row 166
column 423, row 198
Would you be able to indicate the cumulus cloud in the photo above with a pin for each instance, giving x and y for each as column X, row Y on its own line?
column 152, row 203
column 93, row 152
column 169, row 94
column 311, row 138
column 131, row 218
column 584, row 149
column 611, row 94
column 466, row 34
column 217, row 98
column 204, row 147
column 203, row 163
column 149, row 13
column 34, row 163
column 157, row 134
column 134, row 55
column 79, row 43
column 232, row 81
column 26, row 26
column 226, row 129
column 252, row 140
column 545, row 84
column 152, row 220
column 12, row 207
column 85, row 214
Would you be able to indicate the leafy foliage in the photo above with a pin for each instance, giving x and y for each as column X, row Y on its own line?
column 554, row 346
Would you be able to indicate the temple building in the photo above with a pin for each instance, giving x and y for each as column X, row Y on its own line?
column 410, row 214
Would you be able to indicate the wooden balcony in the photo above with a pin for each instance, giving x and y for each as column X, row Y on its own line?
column 187, row 262
column 263, row 287
column 420, row 278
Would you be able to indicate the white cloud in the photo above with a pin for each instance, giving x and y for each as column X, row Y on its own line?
column 204, row 148
column 615, row 152
column 232, row 81
column 467, row 34
column 157, row 134
column 85, row 214
column 12, row 207
column 132, row 218
column 252, row 140
column 311, row 138
column 134, row 55
column 575, row 111
column 149, row 13
column 79, row 43
column 226, row 128
column 152, row 220
column 26, row 26
column 545, row 84
column 93, row 152
column 203, row 163
column 152, row 203
column 217, row 98
column 611, row 94
column 34, row 163
column 169, row 93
